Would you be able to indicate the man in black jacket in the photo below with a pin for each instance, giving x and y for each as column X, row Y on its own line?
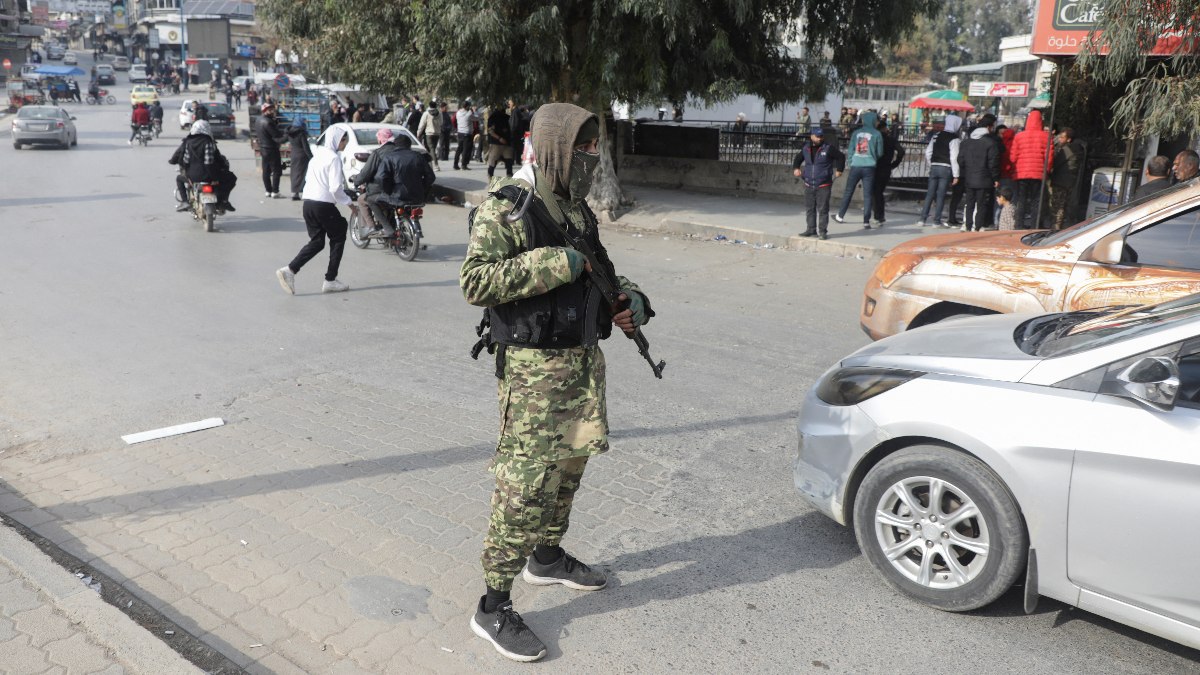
column 979, row 173
column 370, row 177
column 202, row 162
column 405, row 177
column 893, row 155
column 818, row 163
column 269, row 140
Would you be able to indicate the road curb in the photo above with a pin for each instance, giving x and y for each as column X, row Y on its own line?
column 702, row 230
column 104, row 624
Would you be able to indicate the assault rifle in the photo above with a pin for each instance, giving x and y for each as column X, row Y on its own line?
column 607, row 286
column 601, row 279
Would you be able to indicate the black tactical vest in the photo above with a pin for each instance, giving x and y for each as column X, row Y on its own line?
column 571, row 315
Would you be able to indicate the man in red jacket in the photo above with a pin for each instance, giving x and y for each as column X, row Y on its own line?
column 140, row 118
column 1029, row 151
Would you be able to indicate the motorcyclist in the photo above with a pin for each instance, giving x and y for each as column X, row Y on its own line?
column 94, row 89
column 369, row 180
column 140, row 118
column 406, row 176
column 156, row 116
column 201, row 161
column 73, row 88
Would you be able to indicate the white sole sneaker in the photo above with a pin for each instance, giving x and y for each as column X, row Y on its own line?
column 478, row 630
column 533, row 579
column 288, row 282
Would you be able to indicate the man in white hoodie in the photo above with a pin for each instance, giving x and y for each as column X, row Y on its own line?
column 324, row 189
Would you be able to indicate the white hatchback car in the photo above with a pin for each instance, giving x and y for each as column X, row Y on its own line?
column 1061, row 448
column 362, row 142
column 187, row 114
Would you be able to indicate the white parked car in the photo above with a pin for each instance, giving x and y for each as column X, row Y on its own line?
column 70, row 59
column 1056, row 449
column 137, row 73
column 362, row 142
column 187, row 114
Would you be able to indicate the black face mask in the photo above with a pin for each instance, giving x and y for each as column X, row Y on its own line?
column 583, row 168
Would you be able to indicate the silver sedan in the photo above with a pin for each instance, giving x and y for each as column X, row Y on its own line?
column 44, row 125
column 1062, row 449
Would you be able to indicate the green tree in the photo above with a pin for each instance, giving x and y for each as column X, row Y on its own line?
column 592, row 52
column 1161, row 93
column 960, row 33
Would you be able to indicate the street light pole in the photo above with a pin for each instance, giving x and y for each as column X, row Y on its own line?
column 187, row 76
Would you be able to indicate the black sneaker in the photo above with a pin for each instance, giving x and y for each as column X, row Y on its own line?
column 507, row 632
column 808, row 234
column 566, row 571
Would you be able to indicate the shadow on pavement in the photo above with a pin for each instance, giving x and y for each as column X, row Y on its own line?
column 41, row 201
column 167, row 500
column 705, row 564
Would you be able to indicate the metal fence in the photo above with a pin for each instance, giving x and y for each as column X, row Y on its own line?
column 779, row 143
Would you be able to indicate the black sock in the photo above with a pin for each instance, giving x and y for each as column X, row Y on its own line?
column 547, row 554
column 494, row 599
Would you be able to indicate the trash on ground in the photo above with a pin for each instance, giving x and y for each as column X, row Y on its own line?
column 720, row 237
column 739, row 241
column 168, row 632
column 447, row 649
column 87, row 581
column 468, row 205
column 256, row 645
column 243, row 542
column 176, row 430
column 129, row 604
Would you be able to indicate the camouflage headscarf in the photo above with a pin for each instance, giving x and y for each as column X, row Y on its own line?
column 553, row 132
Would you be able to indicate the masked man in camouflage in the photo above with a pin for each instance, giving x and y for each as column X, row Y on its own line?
column 546, row 321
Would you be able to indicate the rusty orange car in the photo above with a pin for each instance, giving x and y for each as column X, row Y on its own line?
column 1144, row 252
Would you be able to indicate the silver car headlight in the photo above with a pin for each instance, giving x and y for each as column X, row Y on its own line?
column 851, row 386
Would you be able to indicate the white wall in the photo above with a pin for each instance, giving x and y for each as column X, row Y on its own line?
column 754, row 108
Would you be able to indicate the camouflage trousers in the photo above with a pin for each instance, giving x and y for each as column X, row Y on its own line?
column 531, row 505
column 553, row 418
column 1060, row 199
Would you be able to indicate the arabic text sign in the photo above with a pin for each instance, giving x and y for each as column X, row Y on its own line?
column 999, row 89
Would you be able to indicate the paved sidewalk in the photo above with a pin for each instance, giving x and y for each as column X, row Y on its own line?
column 763, row 222
column 50, row 622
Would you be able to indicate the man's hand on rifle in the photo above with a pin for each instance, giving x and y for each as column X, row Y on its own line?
column 625, row 319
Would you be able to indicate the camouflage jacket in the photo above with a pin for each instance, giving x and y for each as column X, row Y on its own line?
column 499, row 268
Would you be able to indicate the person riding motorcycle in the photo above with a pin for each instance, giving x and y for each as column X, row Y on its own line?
column 199, row 159
column 369, row 181
column 94, row 89
column 156, row 116
column 405, row 176
column 140, row 118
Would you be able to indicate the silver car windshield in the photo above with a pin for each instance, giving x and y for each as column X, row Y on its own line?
column 1049, row 238
column 1073, row 332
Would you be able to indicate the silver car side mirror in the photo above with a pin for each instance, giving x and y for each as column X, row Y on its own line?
column 1108, row 250
column 1153, row 380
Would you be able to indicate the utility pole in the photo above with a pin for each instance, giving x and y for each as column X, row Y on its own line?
column 187, row 75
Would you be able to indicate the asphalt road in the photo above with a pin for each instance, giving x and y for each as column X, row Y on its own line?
column 334, row 524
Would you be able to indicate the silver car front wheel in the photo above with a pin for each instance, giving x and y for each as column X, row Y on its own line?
column 932, row 532
column 940, row 527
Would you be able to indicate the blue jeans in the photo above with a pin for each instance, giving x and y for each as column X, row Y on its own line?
column 866, row 174
column 940, row 178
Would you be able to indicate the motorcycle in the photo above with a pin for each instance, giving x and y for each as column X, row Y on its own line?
column 202, row 198
column 406, row 241
column 144, row 134
column 102, row 96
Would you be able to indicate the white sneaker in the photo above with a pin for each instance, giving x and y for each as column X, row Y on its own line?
column 921, row 223
column 287, row 279
column 964, row 228
column 267, row 195
column 334, row 286
column 839, row 218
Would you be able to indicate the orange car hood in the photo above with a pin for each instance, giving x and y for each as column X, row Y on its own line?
column 1006, row 243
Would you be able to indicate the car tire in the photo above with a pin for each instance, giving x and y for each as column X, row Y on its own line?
column 16, row 145
column 954, row 568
